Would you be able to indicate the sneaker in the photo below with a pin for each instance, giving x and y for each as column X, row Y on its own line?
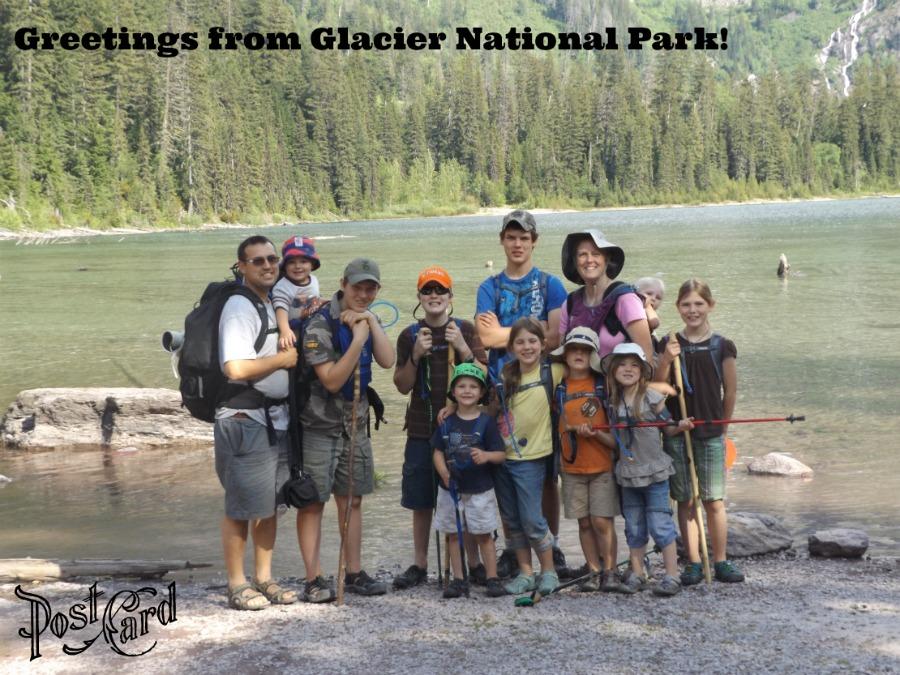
column 318, row 590
column 610, row 582
column 548, row 583
column 456, row 589
column 668, row 587
column 494, row 588
column 507, row 564
column 633, row 583
column 362, row 584
column 523, row 583
column 727, row 572
column 559, row 562
column 413, row 576
column 591, row 584
column 478, row 575
column 692, row 574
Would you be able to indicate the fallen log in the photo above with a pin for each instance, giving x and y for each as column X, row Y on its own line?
column 38, row 569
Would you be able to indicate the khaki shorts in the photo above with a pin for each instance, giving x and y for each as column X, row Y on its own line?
column 590, row 494
column 327, row 458
column 477, row 512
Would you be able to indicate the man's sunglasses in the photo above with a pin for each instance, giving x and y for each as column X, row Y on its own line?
column 434, row 290
column 261, row 260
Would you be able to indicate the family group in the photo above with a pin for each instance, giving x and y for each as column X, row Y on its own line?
column 543, row 387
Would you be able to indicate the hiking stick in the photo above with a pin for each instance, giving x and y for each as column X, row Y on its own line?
column 454, row 495
column 695, row 483
column 446, row 560
column 673, row 423
column 536, row 597
column 345, row 526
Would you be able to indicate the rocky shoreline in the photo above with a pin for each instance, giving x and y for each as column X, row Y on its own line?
column 793, row 614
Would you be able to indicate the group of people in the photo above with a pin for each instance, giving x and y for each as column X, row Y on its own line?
column 543, row 387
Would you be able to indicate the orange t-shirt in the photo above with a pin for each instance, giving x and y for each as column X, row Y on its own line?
column 583, row 406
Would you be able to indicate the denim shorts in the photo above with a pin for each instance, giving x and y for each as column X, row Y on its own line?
column 709, row 458
column 251, row 471
column 647, row 508
column 519, row 485
column 419, row 484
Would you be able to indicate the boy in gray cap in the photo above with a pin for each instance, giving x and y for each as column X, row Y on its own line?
column 343, row 336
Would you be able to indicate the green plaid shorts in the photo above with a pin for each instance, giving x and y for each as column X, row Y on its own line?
column 709, row 456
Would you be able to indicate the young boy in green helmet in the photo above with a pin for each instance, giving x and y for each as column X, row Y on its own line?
column 466, row 445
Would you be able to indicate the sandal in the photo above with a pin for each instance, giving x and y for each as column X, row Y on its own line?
column 245, row 597
column 275, row 593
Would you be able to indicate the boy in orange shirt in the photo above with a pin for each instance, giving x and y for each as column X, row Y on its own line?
column 588, row 485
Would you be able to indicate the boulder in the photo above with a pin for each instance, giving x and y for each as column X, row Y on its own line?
column 838, row 543
column 756, row 534
column 779, row 464
column 112, row 417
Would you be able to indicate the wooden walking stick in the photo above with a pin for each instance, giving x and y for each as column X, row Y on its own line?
column 695, row 483
column 345, row 526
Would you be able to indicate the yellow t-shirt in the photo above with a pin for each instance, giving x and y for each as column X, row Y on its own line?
column 529, row 416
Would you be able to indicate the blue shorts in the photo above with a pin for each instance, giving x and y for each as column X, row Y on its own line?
column 418, row 487
column 647, row 509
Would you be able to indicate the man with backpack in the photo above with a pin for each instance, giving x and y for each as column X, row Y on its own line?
column 251, row 422
column 522, row 290
column 343, row 338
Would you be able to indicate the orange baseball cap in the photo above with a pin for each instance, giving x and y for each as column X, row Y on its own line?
column 436, row 274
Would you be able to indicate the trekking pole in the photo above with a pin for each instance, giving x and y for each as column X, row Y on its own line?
column 345, row 526
column 695, row 483
column 454, row 495
column 673, row 423
column 536, row 596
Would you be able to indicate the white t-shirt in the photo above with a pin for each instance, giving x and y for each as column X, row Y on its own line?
column 239, row 326
column 290, row 297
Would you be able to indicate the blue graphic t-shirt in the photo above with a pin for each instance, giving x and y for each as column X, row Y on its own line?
column 470, row 478
column 513, row 299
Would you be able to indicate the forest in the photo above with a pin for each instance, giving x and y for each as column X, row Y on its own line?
column 112, row 138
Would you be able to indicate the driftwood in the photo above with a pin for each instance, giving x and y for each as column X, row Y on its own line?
column 38, row 569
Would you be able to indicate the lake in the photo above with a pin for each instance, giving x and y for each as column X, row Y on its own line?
column 89, row 312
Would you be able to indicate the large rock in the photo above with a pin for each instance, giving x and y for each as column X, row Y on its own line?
column 779, row 464
column 117, row 417
column 756, row 534
column 838, row 543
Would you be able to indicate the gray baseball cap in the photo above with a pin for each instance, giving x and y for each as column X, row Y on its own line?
column 362, row 269
column 522, row 219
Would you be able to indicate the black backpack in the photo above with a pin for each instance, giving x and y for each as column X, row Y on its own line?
column 204, row 386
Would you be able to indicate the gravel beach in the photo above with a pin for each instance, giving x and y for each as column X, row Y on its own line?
column 793, row 614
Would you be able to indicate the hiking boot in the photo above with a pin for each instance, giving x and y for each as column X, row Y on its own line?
column 610, row 582
column 362, row 584
column 559, row 562
column 548, row 583
column 413, row 576
column 494, row 588
column 591, row 584
column 523, row 583
column 507, row 564
column 727, row 572
column 456, row 589
column 692, row 574
column 668, row 587
column 633, row 583
column 575, row 573
column 318, row 590
column 478, row 575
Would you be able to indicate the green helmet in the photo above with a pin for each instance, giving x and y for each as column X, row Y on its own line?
column 468, row 370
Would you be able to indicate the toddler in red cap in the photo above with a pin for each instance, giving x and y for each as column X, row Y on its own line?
column 296, row 294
